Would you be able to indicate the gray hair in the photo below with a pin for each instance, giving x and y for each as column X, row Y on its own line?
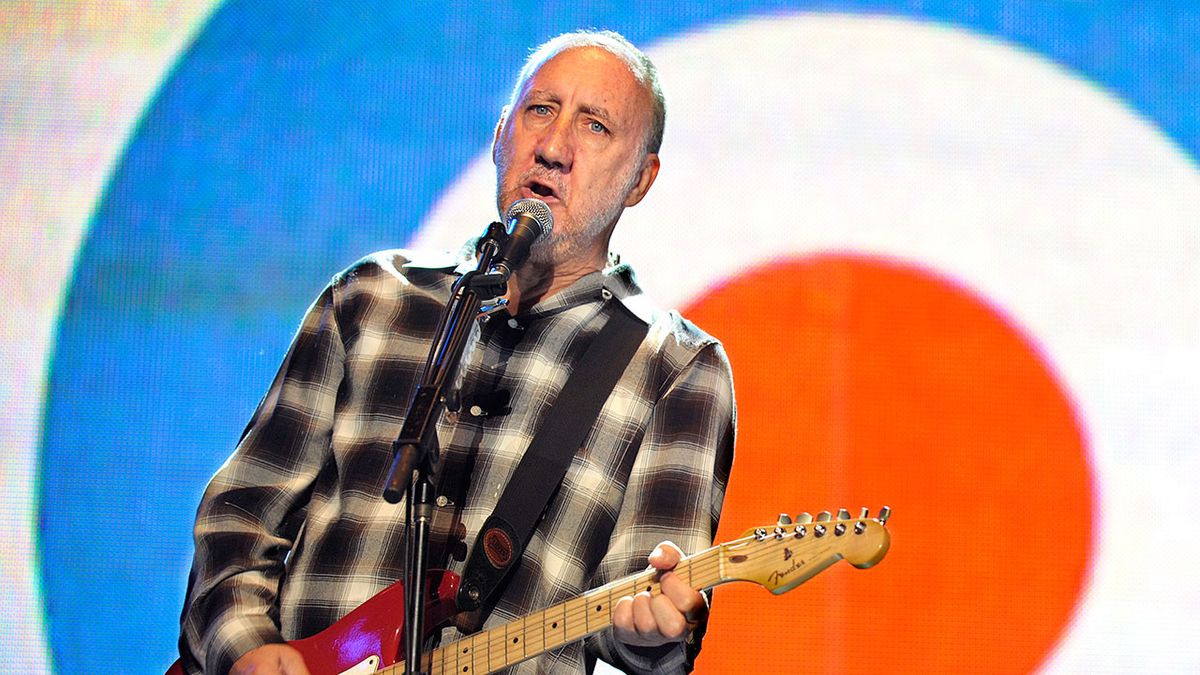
column 614, row 43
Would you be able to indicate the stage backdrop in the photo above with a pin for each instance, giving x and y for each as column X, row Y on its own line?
column 952, row 248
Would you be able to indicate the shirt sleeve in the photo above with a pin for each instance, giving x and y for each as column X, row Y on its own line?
column 676, row 490
column 250, row 515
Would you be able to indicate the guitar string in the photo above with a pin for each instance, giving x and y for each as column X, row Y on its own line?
column 576, row 607
column 707, row 564
column 595, row 609
column 575, row 611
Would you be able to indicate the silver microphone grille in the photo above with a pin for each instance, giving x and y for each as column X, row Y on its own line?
column 535, row 208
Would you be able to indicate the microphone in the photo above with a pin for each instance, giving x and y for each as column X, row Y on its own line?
column 527, row 222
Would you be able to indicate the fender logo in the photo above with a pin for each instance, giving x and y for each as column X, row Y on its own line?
column 779, row 575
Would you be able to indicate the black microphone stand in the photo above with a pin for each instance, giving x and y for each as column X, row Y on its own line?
column 416, row 452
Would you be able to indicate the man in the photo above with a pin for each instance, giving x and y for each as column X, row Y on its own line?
column 292, row 533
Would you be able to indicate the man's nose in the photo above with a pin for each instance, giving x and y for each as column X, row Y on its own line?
column 556, row 146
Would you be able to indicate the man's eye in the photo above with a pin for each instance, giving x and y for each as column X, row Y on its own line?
column 597, row 127
column 540, row 109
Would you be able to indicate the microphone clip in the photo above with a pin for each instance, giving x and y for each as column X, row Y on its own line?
column 495, row 238
column 489, row 283
column 506, row 246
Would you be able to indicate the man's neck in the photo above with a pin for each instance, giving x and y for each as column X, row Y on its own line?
column 532, row 283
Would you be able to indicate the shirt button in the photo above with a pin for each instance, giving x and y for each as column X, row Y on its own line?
column 476, row 411
column 513, row 323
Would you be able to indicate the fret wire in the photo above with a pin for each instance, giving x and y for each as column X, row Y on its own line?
column 506, row 657
column 564, row 623
column 508, row 643
column 587, row 616
column 458, row 654
column 707, row 565
column 524, row 636
column 543, row 624
column 456, row 649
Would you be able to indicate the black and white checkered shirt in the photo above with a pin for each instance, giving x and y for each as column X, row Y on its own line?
column 304, row 484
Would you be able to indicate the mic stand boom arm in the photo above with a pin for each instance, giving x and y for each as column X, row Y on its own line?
column 415, row 451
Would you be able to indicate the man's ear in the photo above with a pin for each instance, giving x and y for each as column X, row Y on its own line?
column 496, row 133
column 646, row 176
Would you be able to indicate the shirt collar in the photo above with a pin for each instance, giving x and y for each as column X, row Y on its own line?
column 615, row 281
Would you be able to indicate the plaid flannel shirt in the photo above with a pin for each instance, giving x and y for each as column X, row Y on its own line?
column 292, row 532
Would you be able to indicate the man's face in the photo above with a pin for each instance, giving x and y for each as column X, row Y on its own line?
column 574, row 139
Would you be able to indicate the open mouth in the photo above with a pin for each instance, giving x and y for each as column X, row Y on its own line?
column 541, row 190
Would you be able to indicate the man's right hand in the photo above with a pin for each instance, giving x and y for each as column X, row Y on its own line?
column 270, row 660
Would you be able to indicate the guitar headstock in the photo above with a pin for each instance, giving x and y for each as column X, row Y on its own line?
column 787, row 553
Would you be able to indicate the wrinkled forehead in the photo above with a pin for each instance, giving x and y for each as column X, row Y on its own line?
column 548, row 53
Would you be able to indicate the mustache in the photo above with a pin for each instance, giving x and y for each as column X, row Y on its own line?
column 545, row 176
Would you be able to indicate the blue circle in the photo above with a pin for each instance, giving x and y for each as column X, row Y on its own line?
column 285, row 145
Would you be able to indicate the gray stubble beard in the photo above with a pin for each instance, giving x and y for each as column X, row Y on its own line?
column 565, row 244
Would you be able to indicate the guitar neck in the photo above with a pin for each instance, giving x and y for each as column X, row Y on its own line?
column 778, row 557
column 564, row 623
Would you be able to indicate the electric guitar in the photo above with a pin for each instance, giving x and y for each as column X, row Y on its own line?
column 779, row 556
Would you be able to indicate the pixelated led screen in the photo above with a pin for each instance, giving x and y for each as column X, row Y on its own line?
column 953, row 249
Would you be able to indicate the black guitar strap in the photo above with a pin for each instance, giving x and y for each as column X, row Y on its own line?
column 506, row 532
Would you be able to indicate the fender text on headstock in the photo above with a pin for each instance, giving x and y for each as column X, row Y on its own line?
column 779, row 575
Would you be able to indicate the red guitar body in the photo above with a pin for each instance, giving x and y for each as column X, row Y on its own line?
column 372, row 636
column 779, row 556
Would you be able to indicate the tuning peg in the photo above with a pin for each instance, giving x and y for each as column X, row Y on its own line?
column 884, row 514
column 864, row 514
column 804, row 518
column 824, row 516
column 785, row 519
column 843, row 514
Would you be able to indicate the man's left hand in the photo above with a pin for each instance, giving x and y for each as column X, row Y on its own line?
column 644, row 620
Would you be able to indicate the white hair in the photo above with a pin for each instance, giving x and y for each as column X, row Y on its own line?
column 614, row 43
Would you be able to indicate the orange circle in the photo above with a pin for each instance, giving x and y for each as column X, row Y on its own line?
column 864, row 382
